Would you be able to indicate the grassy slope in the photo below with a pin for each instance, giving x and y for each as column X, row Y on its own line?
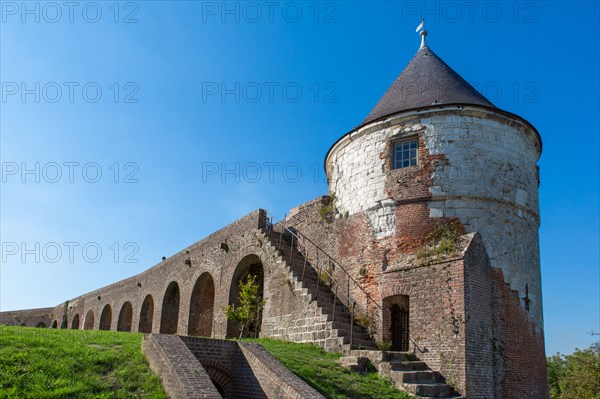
column 320, row 370
column 45, row 363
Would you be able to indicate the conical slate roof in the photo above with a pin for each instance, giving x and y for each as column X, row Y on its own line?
column 426, row 81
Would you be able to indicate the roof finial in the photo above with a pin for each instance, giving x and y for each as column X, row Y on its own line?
column 423, row 43
column 423, row 33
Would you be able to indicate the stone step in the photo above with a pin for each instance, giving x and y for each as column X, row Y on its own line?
column 456, row 396
column 354, row 363
column 297, row 262
column 344, row 330
column 325, row 302
column 408, row 365
column 358, row 342
column 341, row 317
column 310, row 275
column 397, row 356
column 417, row 377
column 430, row 390
column 407, row 373
column 343, row 325
column 308, row 279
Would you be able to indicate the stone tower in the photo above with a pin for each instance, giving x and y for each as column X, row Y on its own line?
column 358, row 269
column 434, row 148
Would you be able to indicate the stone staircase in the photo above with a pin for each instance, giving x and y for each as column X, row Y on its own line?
column 406, row 372
column 402, row 368
column 335, row 314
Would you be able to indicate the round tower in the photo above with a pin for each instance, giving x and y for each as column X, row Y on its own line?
column 433, row 147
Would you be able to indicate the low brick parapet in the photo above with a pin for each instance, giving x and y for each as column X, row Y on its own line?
column 282, row 382
column 181, row 373
column 192, row 367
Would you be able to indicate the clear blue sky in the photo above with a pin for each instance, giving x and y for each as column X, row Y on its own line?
column 195, row 96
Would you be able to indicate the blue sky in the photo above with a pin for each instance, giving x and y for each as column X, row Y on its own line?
column 148, row 125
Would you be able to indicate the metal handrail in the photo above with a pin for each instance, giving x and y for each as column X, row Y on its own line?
column 336, row 288
column 351, row 304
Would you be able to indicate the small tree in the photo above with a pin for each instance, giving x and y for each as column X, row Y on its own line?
column 251, row 304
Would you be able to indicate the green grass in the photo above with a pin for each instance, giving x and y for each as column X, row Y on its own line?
column 46, row 363
column 321, row 371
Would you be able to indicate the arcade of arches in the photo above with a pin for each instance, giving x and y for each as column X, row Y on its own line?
column 201, row 307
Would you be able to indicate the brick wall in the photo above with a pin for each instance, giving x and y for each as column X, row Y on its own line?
column 479, row 322
column 519, row 346
column 181, row 374
column 444, row 298
column 31, row 317
column 179, row 294
column 247, row 370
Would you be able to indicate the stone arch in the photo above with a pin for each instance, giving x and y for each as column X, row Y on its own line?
column 64, row 323
column 125, row 317
column 146, row 315
column 169, row 315
column 105, row 318
column 220, row 379
column 202, row 306
column 41, row 324
column 75, row 322
column 396, row 326
column 250, row 265
column 55, row 324
column 88, row 324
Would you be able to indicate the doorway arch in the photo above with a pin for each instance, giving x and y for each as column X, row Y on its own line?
column 125, row 316
column 75, row 322
column 399, row 328
column 105, row 318
column 202, row 306
column 146, row 315
column 169, row 315
column 88, row 324
column 250, row 265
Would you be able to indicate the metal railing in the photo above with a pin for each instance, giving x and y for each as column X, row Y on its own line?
column 325, row 266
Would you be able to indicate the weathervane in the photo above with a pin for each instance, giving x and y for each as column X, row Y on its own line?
column 421, row 28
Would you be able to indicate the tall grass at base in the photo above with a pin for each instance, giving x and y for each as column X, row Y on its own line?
column 47, row 363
